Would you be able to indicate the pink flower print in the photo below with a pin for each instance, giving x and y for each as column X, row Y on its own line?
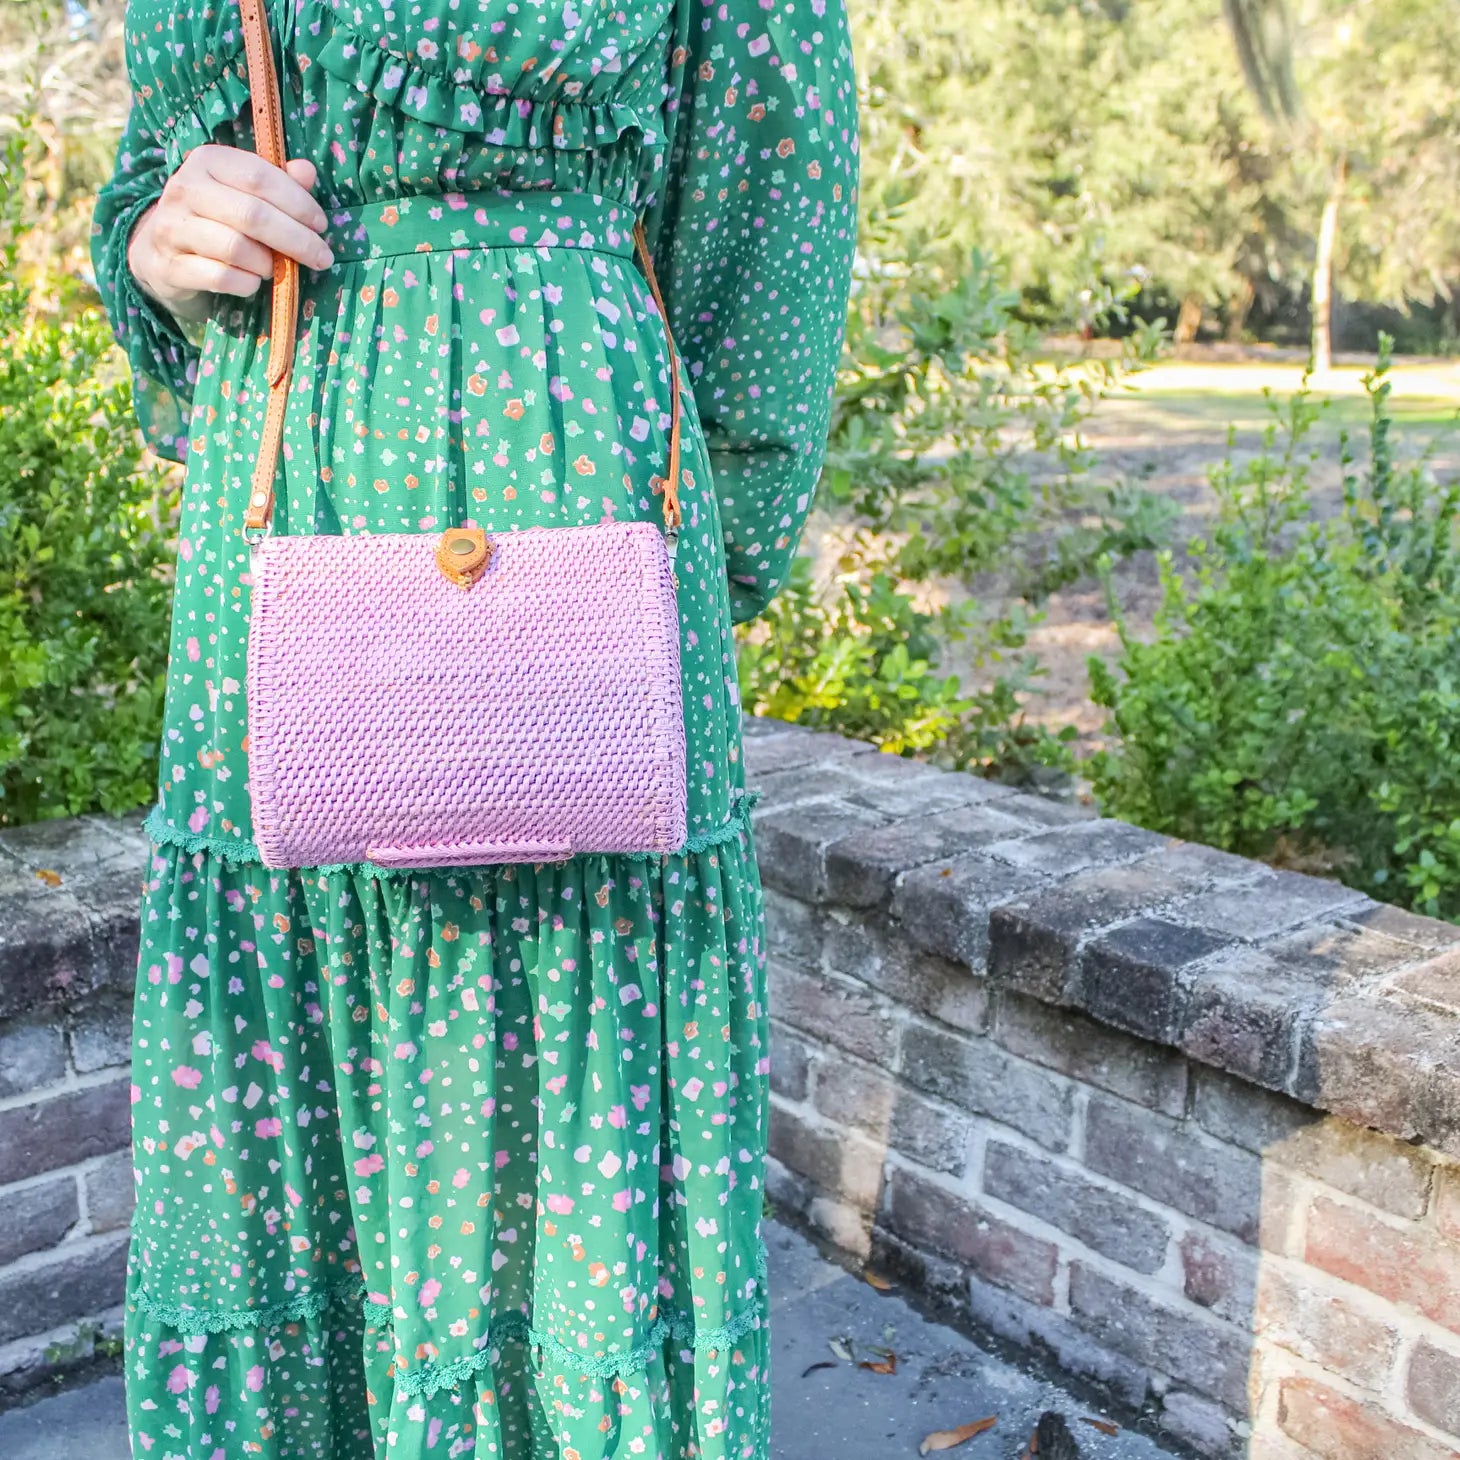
column 198, row 820
column 212, row 1398
column 254, row 1379
column 369, row 1165
column 270, row 1125
column 692, row 1088
column 618, row 1117
column 640, row 1096
column 622, row 1200
column 187, row 1077
column 462, row 1177
column 262, row 1050
column 430, row 1291
column 194, row 652
column 180, row 1380
column 562, row 1205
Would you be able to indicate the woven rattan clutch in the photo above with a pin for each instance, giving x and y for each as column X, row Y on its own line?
column 444, row 699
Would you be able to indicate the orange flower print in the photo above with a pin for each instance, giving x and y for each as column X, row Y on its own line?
column 514, row 410
column 475, row 384
column 813, row 170
column 785, row 147
column 390, row 298
column 584, row 467
column 546, row 444
column 757, row 112
column 390, row 216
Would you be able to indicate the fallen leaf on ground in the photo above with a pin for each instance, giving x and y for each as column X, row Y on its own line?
column 51, row 879
column 882, row 1284
column 812, row 1368
column 839, row 1347
column 947, row 1439
column 880, row 1366
column 1103, row 1425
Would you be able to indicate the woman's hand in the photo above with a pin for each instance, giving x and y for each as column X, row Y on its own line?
column 221, row 218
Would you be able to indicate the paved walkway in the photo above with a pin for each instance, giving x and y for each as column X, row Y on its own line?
column 840, row 1413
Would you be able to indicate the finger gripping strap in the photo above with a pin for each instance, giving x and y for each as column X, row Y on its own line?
column 268, row 128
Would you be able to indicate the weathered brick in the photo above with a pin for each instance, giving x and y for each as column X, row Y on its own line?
column 835, row 1010
column 1244, row 1115
column 1447, row 1203
column 1047, row 811
column 944, row 908
column 790, row 1062
column 101, row 1036
column 1401, row 1262
column 887, row 1111
column 87, row 1279
column 1387, row 1065
column 1197, row 1352
column 1082, row 844
column 828, row 780
column 1307, row 1318
column 1215, row 1184
column 1240, row 1014
column 31, row 1056
column 1426, row 933
column 1435, row 984
column 984, row 1080
column 36, row 1216
column 64, row 1129
column 999, row 1312
column 791, row 844
column 111, row 1192
column 1434, row 1387
column 790, row 747
column 1208, row 1428
column 1338, row 959
column 1131, row 977
column 1334, row 1427
column 1034, row 940
column 878, row 956
column 1092, row 1053
column 1220, row 1275
column 834, row 1161
column 951, row 1224
column 1376, row 1168
column 861, row 868
column 1277, row 903
column 794, row 929
column 1106, row 1221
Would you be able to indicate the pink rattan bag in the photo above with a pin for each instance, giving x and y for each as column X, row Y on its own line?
column 455, row 698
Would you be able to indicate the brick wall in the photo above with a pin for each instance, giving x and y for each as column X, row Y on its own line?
column 68, row 946
column 1186, row 1125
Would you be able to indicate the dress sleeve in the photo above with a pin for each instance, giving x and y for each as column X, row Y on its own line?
column 755, row 233
column 164, row 360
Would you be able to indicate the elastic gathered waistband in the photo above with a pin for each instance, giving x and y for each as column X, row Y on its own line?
column 442, row 222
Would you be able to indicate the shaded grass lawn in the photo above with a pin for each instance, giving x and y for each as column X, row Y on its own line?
column 1200, row 395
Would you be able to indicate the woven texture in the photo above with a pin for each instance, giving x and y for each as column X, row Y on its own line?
column 399, row 719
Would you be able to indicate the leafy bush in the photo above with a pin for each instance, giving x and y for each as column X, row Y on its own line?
column 84, row 557
column 954, row 450
column 1301, row 699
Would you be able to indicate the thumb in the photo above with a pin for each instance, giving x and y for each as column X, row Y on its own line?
column 303, row 172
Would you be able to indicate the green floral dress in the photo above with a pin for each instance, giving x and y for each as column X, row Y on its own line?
column 468, row 1162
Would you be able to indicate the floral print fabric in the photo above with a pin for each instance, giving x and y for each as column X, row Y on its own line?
column 469, row 1162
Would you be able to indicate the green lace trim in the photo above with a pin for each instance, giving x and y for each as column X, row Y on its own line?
column 240, row 852
column 226, row 1320
column 424, row 1382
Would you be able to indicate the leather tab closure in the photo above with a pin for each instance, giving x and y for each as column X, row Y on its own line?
column 462, row 554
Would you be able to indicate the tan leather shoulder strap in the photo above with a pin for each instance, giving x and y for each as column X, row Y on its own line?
column 268, row 128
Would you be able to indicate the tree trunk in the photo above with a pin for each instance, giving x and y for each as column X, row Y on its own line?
column 1238, row 308
column 1188, row 322
column 1323, row 271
